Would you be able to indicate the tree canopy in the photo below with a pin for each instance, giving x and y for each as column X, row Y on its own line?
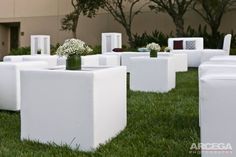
column 176, row 9
column 85, row 7
column 125, row 17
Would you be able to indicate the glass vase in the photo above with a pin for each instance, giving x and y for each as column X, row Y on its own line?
column 153, row 53
column 73, row 62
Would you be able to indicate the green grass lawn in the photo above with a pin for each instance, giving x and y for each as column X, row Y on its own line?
column 162, row 125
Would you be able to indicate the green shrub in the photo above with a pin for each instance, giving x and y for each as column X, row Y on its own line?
column 97, row 49
column 20, row 51
column 155, row 36
column 53, row 48
column 233, row 51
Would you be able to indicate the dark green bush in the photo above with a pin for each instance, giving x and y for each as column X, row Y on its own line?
column 156, row 36
column 20, row 51
column 26, row 50
column 54, row 48
column 233, row 51
column 97, row 49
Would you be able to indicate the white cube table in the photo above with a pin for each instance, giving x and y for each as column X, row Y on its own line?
column 181, row 60
column 218, row 107
column 81, row 109
column 152, row 74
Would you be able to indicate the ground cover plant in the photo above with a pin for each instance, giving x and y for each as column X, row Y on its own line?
column 159, row 125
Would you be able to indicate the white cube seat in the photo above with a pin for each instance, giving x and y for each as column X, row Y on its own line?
column 217, row 100
column 224, row 58
column 207, row 54
column 109, row 60
column 13, row 58
column 81, row 109
column 216, row 67
column 51, row 60
column 10, row 82
column 90, row 60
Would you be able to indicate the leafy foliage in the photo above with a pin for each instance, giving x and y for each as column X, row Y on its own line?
column 54, row 48
column 125, row 17
column 85, row 7
column 212, row 12
column 176, row 9
column 155, row 36
column 20, row 51
column 26, row 50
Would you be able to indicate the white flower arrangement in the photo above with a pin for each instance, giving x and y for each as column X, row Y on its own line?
column 154, row 46
column 73, row 46
column 167, row 49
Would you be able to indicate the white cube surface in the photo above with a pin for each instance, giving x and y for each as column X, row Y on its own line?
column 217, row 103
column 40, row 42
column 81, row 109
column 152, row 74
column 111, row 41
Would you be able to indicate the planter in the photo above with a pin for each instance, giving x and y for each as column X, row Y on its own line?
column 153, row 53
column 73, row 62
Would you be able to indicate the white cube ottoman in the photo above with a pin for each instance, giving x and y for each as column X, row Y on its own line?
column 224, row 58
column 81, row 109
column 13, row 59
column 90, row 60
column 51, row 60
column 10, row 82
column 109, row 60
column 152, row 74
column 218, row 107
column 126, row 58
column 216, row 67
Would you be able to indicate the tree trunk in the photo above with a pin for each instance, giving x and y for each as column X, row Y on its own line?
column 215, row 36
column 130, row 36
column 74, row 27
column 74, row 34
column 179, row 24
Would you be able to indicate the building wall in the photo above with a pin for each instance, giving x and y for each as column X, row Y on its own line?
column 44, row 16
column 4, row 34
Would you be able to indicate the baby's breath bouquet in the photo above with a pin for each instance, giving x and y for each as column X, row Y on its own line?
column 154, row 48
column 73, row 46
column 73, row 49
column 167, row 49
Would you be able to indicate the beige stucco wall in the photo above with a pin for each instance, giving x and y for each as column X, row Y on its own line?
column 44, row 16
